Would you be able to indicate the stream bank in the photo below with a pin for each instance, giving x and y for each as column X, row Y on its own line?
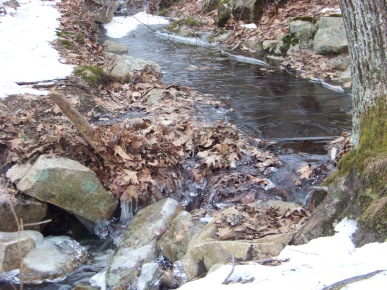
column 169, row 141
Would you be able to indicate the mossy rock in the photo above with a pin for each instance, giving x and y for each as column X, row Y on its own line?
column 287, row 41
column 91, row 74
column 310, row 19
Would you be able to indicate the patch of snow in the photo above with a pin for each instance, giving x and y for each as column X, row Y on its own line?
column 122, row 25
column 250, row 26
column 25, row 50
column 320, row 263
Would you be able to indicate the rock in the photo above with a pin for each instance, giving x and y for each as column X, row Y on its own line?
column 271, row 46
column 250, row 10
column 15, row 246
column 331, row 37
column 205, row 251
column 101, row 11
column 30, row 210
column 124, row 68
column 69, row 185
column 304, row 31
column 113, row 46
column 346, row 75
column 134, row 262
column 174, row 243
column 154, row 96
column 255, row 46
column 54, row 259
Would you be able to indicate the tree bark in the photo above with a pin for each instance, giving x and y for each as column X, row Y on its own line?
column 366, row 26
column 358, row 188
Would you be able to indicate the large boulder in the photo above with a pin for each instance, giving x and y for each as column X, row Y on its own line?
column 239, row 9
column 134, row 263
column 125, row 68
column 54, row 259
column 29, row 209
column 304, row 31
column 67, row 184
column 331, row 37
column 101, row 11
column 15, row 246
column 174, row 244
column 207, row 249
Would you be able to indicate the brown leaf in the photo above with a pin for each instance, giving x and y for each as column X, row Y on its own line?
column 119, row 151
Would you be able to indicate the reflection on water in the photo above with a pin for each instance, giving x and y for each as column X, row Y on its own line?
column 268, row 102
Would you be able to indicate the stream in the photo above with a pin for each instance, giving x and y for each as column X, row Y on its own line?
column 296, row 116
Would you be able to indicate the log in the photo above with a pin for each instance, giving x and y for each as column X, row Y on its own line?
column 75, row 117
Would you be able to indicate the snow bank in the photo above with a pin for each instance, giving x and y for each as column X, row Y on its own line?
column 25, row 50
column 318, row 264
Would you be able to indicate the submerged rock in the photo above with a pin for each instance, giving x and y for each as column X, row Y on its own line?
column 113, row 46
column 15, row 246
column 54, row 259
column 135, row 262
column 69, row 185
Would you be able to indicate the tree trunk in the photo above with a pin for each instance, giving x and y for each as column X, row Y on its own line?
column 366, row 25
column 358, row 188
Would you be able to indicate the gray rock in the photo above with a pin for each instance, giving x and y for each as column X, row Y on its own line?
column 271, row 46
column 15, row 246
column 174, row 243
column 154, row 96
column 137, row 250
column 124, row 68
column 54, row 259
column 240, row 9
column 205, row 251
column 113, row 46
column 304, row 31
column 346, row 75
column 101, row 10
column 331, row 37
column 69, row 185
column 30, row 210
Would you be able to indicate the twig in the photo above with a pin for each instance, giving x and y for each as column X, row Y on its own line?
column 342, row 283
column 226, row 281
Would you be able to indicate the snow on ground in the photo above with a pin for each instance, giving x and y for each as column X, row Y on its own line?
column 26, row 54
column 122, row 25
column 320, row 263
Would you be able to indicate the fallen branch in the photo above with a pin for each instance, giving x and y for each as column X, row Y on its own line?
column 75, row 117
column 226, row 281
column 342, row 283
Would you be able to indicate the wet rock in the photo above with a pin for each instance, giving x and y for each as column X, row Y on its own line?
column 123, row 68
column 331, row 37
column 174, row 243
column 15, row 246
column 69, row 185
column 102, row 11
column 304, row 31
column 205, row 250
column 271, row 46
column 113, row 46
column 134, row 262
column 54, row 259
column 30, row 210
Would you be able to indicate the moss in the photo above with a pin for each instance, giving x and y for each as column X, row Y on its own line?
column 80, row 39
column 187, row 21
column 310, row 19
column 66, row 43
column 91, row 74
column 369, row 163
column 288, row 40
column 335, row 15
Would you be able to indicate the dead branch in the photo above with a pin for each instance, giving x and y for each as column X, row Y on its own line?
column 343, row 283
column 226, row 281
column 86, row 130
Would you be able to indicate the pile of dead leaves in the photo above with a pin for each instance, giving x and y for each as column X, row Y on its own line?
column 248, row 222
